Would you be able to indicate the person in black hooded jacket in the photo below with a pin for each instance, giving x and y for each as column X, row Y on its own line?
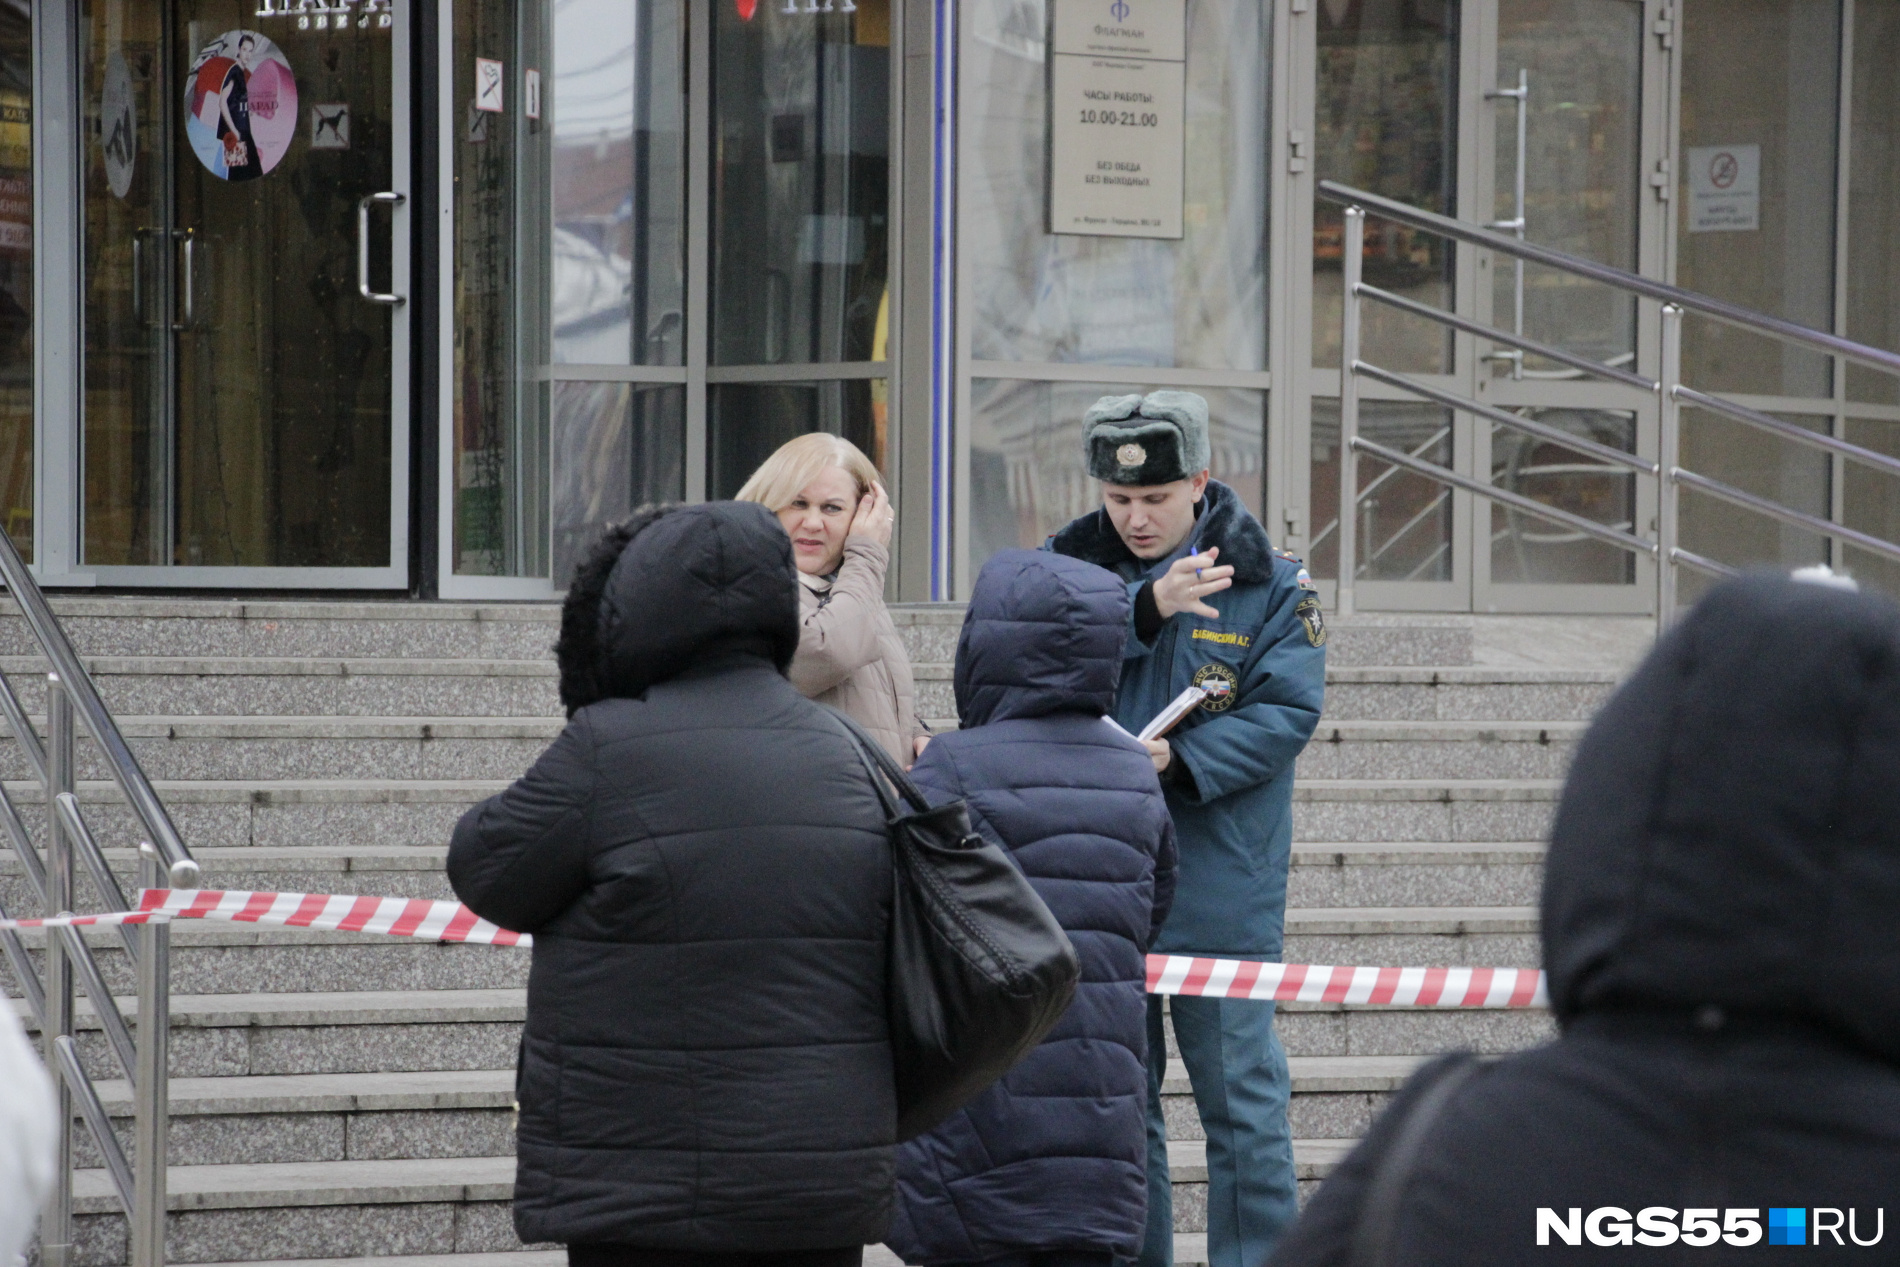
column 1719, row 923
column 705, row 1075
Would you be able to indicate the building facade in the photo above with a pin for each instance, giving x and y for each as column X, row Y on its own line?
column 416, row 295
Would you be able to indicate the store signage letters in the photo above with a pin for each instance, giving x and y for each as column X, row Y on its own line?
column 337, row 15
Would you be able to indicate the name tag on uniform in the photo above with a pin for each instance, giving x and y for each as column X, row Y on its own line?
column 1224, row 639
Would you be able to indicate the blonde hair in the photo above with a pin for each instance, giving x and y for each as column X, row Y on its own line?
column 784, row 475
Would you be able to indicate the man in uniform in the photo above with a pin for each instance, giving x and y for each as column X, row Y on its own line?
column 1214, row 605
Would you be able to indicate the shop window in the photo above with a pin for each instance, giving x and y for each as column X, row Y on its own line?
column 801, row 182
column 616, row 447
column 1873, row 215
column 1385, row 120
column 1027, row 472
column 16, row 274
column 1199, row 301
column 1756, row 198
column 570, row 223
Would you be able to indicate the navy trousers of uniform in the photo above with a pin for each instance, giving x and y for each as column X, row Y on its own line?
column 1239, row 1075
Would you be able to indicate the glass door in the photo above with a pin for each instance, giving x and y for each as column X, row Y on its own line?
column 245, row 275
column 1564, row 109
column 1537, row 117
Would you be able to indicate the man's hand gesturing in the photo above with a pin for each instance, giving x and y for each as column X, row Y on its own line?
column 1189, row 581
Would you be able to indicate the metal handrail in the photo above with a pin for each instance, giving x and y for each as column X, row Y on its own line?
column 58, row 650
column 1670, row 393
column 69, row 962
column 1609, row 275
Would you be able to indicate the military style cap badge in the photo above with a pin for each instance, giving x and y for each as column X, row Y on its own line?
column 1221, row 684
column 1131, row 455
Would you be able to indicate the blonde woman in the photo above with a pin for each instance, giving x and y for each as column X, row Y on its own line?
column 827, row 494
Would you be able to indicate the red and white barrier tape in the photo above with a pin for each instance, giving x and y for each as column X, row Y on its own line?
column 1190, row 975
column 325, row 912
column 1313, row 983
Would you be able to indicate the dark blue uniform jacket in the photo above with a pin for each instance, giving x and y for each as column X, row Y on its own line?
column 1053, row 1156
column 1265, row 661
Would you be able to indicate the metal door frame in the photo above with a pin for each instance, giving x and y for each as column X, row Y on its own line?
column 59, row 336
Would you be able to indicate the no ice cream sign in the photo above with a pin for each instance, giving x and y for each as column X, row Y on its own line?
column 1117, row 108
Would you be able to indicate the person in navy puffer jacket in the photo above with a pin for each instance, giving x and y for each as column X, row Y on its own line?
column 1048, row 1168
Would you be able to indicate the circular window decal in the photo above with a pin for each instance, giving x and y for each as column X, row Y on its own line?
column 240, row 105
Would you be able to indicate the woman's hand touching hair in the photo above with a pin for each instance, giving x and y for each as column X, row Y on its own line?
column 874, row 517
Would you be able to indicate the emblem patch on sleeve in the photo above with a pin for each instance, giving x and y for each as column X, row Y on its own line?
column 1221, row 684
column 1308, row 612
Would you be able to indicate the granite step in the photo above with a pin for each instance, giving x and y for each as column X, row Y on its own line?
column 390, row 628
column 298, row 686
column 421, row 1031
column 212, row 749
column 1462, row 811
column 1348, row 874
column 1412, row 750
column 298, row 812
column 452, row 1205
column 286, row 1118
column 1470, row 694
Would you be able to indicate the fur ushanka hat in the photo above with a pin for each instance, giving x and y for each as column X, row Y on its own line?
column 1145, row 440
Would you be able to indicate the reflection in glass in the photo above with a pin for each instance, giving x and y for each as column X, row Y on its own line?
column 1386, row 122
column 16, row 274
column 615, row 104
column 1870, row 502
column 1404, row 524
column 1761, row 73
column 1873, row 206
column 1528, row 550
column 128, row 277
column 1198, row 302
column 500, row 472
column 1583, row 59
column 800, row 219
column 615, row 448
column 749, row 421
column 1027, row 472
column 1756, row 462
column 250, row 426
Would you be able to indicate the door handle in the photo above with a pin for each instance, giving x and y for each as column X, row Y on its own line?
column 190, row 316
column 138, row 276
column 363, row 205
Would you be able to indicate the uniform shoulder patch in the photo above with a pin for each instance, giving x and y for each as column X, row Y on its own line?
column 1309, row 614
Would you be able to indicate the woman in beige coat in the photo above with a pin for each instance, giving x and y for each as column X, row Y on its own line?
column 827, row 494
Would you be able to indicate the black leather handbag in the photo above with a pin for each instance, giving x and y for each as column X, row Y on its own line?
column 979, row 968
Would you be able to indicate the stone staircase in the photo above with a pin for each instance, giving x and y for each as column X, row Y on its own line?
column 342, row 1097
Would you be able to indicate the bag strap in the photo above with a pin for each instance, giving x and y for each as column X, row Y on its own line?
column 877, row 761
column 1375, row 1231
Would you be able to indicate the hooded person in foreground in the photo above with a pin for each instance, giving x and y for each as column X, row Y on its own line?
column 1048, row 1167
column 705, row 1075
column 1720, row 937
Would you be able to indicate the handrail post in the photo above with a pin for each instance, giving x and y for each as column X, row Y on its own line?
column 1352, row 251
column 56, row 1217
column 1669, row 457
column 152, row 1107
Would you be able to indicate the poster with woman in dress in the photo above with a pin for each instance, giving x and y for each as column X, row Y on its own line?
column 240, row 105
